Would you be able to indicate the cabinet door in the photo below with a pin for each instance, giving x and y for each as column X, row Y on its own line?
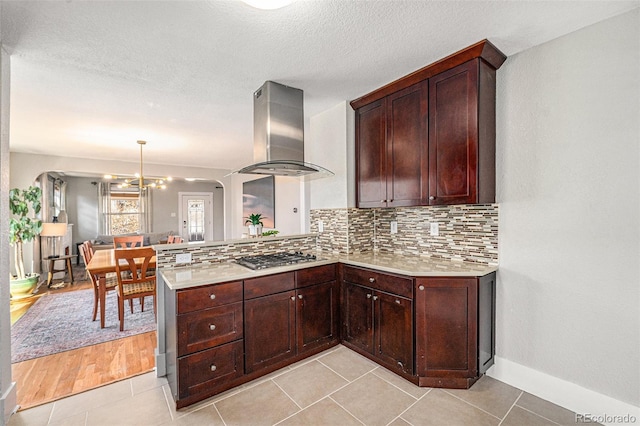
column 394, row 331
column 453, row 135
column 407, row 146
column 446, row 327
column 371, row 187
column 269, row 330
column 317, row 315
column 358, row 312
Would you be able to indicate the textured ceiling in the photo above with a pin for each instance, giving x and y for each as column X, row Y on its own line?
column 89, row 78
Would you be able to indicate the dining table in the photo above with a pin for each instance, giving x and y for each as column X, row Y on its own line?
column 102, row 263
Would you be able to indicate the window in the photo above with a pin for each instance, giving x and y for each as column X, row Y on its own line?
column 124, row 213
column 124, row 210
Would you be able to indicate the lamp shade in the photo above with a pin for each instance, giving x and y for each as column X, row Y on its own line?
column 53, row 229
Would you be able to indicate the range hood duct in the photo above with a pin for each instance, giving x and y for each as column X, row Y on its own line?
column 278, row 134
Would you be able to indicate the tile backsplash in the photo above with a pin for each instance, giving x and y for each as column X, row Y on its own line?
column 466, row 232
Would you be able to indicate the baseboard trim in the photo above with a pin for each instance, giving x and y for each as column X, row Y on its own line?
column 161, row 364
column 9, row 403
column 563, row 393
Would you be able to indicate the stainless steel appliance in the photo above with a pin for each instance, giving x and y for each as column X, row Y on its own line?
column 264, row 261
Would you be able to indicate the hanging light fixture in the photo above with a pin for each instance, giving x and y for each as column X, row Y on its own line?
column 139, row 181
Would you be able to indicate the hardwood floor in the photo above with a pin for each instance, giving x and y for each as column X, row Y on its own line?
column 46, row 379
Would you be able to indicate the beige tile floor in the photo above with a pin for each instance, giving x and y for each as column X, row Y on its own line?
column 336, row 387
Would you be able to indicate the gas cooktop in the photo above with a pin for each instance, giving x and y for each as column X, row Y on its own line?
column 264, row 261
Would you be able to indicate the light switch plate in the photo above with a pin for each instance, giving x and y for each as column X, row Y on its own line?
column 183, row 258
column 320, row 226
column 394, row 227
column 434, row 229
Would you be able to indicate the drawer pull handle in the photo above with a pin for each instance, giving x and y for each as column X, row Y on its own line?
column 398, row 301
column 368, row 296
column 421, row 287
column 213, row 367
column 375, row 297
column 212, row 296
column 372, row 280
column 212, row 327
column 299, row 296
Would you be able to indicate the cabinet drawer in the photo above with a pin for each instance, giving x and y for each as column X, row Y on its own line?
column 208, row 369
column 395, row 284
column 204, row 329
column 262, row 286
column 316, row 275
column 209, row 296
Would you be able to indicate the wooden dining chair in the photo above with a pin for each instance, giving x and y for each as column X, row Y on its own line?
column 141, row 281
column 128, row 241
column 174, row 239
column 111, row 282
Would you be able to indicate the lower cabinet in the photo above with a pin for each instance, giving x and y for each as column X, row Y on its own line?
column 296, row 315
column 377, row 322
column 455, row 330
column 437, row 332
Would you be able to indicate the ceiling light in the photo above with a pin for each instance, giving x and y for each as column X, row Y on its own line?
column 140, row 181
column 268, row 4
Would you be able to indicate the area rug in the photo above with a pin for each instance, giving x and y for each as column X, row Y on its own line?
column 61, row 322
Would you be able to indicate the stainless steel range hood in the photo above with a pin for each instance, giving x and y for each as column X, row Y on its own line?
column 278, row 134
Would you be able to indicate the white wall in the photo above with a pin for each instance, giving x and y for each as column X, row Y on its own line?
column 331, row 145
column 8, row 399
column 568, row 161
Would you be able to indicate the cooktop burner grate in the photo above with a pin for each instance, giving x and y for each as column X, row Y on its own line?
column 264, row 261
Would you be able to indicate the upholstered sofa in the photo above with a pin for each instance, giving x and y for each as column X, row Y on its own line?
column 150, row 238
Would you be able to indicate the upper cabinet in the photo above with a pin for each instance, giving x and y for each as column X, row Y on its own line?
column 429, row 138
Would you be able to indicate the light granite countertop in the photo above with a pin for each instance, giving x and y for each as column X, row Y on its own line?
column 200, row 274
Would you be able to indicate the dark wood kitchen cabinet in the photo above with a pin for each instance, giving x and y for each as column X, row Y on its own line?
column 429, row 137
column 288, row 315
column 455, row 323
column 378, row 317
column 317, row 308
column 391, row 146
column 204, row 334
column 269, row 311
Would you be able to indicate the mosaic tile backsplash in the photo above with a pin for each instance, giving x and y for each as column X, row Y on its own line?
column 466, row 232
column 233, row 250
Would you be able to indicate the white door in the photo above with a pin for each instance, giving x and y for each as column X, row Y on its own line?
column 196, row 216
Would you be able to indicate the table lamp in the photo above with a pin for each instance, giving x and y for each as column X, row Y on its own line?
column 55, row 231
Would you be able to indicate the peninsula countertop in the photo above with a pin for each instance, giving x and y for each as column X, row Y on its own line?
column 417, row 266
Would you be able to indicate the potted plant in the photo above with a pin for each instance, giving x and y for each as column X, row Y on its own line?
column 23, row 228
column 255, row 224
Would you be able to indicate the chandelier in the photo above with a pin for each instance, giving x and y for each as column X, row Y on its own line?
column 139, row 181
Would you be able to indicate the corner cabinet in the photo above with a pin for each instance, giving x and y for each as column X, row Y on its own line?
column 451, row 320
column 429, row 138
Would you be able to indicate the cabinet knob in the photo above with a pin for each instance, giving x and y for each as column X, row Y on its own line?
column 299, row 296
column 421, row 287
column 372, row 280
column 213, row 367
column 212, row 327
column 391, row 200
column 383, row 201
column 368, row 296
column 398, row 302
column 375, row 297
column 293, row 298
column 432, row 198
column 212, row 296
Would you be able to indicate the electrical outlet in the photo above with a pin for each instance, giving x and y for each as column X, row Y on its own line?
column 434, row 229
column 320, row 226
column 394, row 227
column 183, row 258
